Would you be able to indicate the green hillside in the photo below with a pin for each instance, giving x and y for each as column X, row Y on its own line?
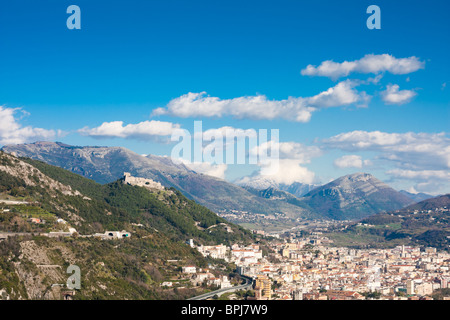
column 133, row 268
column 168, row 210
column 426, row 223
column 107, row 164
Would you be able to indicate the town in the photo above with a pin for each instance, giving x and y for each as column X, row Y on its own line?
column 310, row 268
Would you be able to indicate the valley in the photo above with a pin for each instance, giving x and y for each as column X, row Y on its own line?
column 136, row 238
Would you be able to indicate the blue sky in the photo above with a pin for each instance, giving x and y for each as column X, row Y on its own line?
column 133, row 57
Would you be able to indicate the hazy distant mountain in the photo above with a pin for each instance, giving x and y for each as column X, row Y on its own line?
column 107, row 164
column 354, row 196
column 351, row 197
column 284, row 201
column 257, row 183
column 429, row 204
column 416, row 196
column 297, row 189
column 276, row 195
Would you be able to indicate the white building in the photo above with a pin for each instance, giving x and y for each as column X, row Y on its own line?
column 216, row 252
column 189, row 269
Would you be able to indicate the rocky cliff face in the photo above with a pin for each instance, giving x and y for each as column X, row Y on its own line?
column 32, row 176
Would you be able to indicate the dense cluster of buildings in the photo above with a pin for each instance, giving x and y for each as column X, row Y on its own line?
column 200, row 276
column 309, row 268
column 302, row 271
column 241, row 256
column 239, row 216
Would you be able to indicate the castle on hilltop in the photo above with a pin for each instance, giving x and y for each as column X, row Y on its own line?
column 141, row 182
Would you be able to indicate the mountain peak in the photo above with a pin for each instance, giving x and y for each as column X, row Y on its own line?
column 355, row 195
column 359, row 176
column 297, row 189
column 107, row 164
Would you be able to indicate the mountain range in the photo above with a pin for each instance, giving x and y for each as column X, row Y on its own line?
column 107, row 164
column 159, row 222
column 417, row 197
column 350, row 197
column 353, row 196
column 297, row 189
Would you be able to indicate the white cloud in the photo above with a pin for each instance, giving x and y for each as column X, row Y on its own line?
column 289, row 171
column 229, row 131
column 342, row 94
column 423, row 158
column 12, row 132
column 392, row 95
column 254, row 107
column 290, row 166
column 413, row 150
column 143, row 130
column 430, row 187
column 376, row 79
column 297, row 109
column 215, row 170
column 291, row 151
column 421, row 175
column 351, row 161
column 425, row 180
column 370, row 63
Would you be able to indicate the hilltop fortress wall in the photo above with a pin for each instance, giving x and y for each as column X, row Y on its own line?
column 141, row 182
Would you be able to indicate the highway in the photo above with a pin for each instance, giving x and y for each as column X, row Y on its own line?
column 248, row 285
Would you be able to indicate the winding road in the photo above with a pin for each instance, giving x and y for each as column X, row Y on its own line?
column 248, row 285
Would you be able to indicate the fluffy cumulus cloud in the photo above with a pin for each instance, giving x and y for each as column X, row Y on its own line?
column 144, row 130
column 370, row 63
column 300, row 109
column 423, row 158
column 412, row 150
column 210, row 169
column 392, row 95
column 421, row 175
column 12, row 132
column 288, row 172
column 229, row 132
column 259, row 107
column 424, row 180
column 351, row 161
column 283, row 162
column 343, row 94
column 294, row 150
column 223, row 146
column 289, row 166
